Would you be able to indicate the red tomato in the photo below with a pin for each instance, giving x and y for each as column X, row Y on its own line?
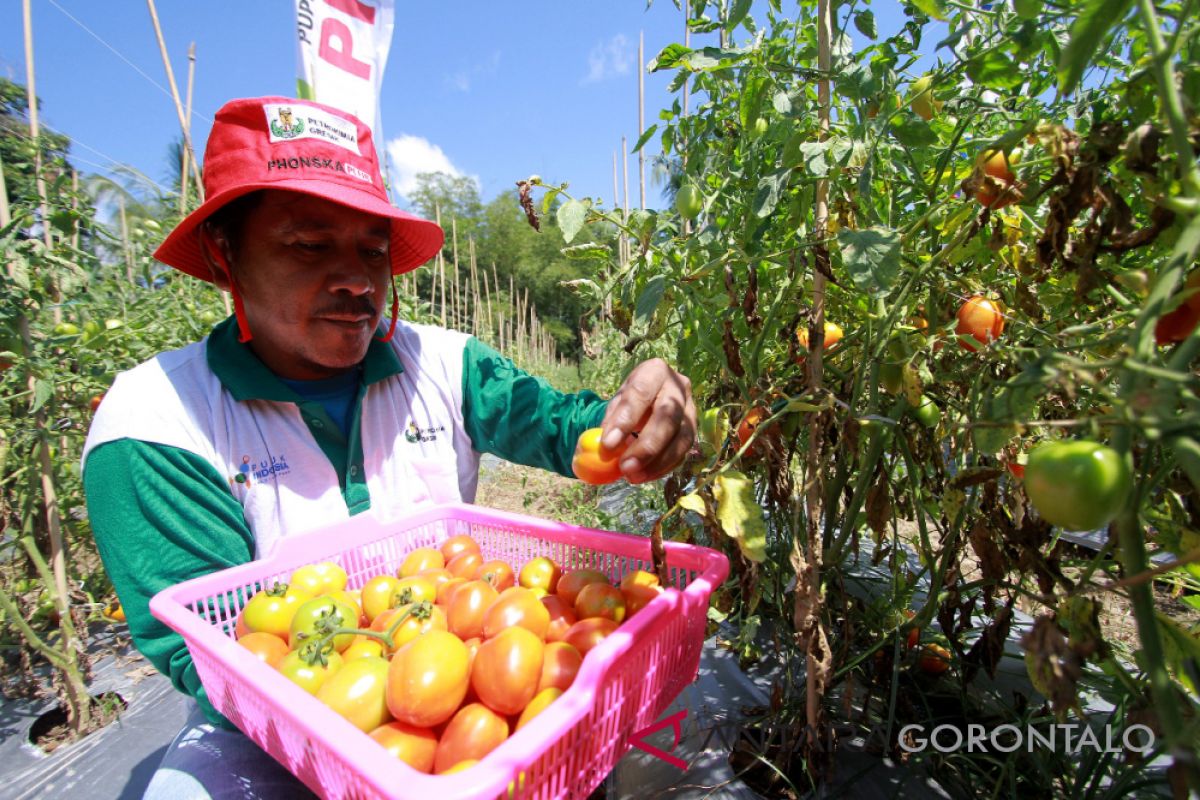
column 421, row 559
column 377, row 595
column 457, row 545
column 475, row 731
column 465, row 565
column 560, row 665
column 96, row 401
column 600, row 600
column 593, row 462
column 587, row 633
column 428, row 679
column 358, row 692
column 570, row 584
column 412, row 745
column 498, row 573
column 540, row 573
column 562, row 617
column 996, row 164
column 467, row 607
column 436, row 576
column 271, row 610
column 266, row 647
column 980, row 319
column 749, row 423
column 240, row 628
column 934, row 659
column 1177, row 325
column 447, row 589
column 537, row 705
column 318, row 579
column 638, row 596
column 309, row 677
column 507, row 669
column 516, row 606
column 418, row 619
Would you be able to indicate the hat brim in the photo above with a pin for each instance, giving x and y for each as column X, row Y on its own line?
column 414, row 241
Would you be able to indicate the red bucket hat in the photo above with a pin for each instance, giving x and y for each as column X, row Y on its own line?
column 299, row 146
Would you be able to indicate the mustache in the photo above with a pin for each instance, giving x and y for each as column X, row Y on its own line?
column 348, row 305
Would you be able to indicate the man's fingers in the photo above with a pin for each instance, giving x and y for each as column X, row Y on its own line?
column 665, row 439
column 634, row 401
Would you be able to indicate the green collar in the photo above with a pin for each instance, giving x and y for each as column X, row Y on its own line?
column 247, row 378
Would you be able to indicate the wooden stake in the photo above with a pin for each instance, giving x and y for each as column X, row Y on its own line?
column 75, row 210
column 187, row 121
column 487, row 293
column 187, row 136
column 34, row 128
column 625, row 211
column 125, row 239
column 642, row 114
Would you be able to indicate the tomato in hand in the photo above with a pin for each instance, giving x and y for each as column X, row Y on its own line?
column 507, row 669
column 475, row 731
column 421, row 559
column 412, row 745
column 600, row 600
column 457, row 545
column 587, row 633
column 560, row 665
column 266, row 647
column 498, row 573
column 467, row 607
column 271, row 610
column 357, row 692
column 979, row 319
column 562, row 617
column 540, row 573
column 572, row 583
column 428, row 679
column 516, row 606
column 377, row 595
column 593, row 462
column 1077, row 485
column 309, row 677
column 318, row 579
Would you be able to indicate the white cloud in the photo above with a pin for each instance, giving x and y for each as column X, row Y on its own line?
column 410, row 155
column 609, row 59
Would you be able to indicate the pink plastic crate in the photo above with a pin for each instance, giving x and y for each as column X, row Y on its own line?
column 625, row 683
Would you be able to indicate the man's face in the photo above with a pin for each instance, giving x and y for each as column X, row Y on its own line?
column 313, row 277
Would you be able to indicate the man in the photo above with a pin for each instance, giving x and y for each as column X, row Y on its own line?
column 300, row 410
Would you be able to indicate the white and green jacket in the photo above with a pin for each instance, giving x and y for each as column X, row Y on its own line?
column 201, row 459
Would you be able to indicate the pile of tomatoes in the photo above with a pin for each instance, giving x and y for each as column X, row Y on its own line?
column 446, row 659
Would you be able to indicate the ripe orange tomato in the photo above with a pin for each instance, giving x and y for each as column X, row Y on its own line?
column 271, row 610
column 562, row 617
column 507, row 669
column 461, row 766
column 96, row 401
column 266, row 647
column 377, row 595
column 498, row 573
column 980, row 319
column 587, row 633
column 537, row 705
column 560, row 665
column 516, row 606
column 362, row 647
column 749, row 423
column 465, row 565
column 1176, row 325
column 419, row 618
column 457, row 545
column 833, row 335
column 412, row 745
column 475, row 731
column 638, row 596
column 318, row 579
column 421, row 559
column 428, row 679
column 572, row 583
column 639, row 577
column 309, row 677
column 358, row 692
column 593, row 462
column 540, row 573
column 996, row 164
column 600, row 600
column 467, row 607
column 934, row 659
column 414, row 589
column 116, row 612
column 436, row 576
column 447, row 589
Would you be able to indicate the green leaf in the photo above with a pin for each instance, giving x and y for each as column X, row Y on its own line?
column 19, row 269
column 571, row 216
column 872, row 257
column 740, row 9
column 43, row 390
column 645, row 137
column 548, row 200
column 912, row 131
column 651, row 296
column 1181, row 649
column 932, row 8
column 740, row 516
column 813, row 154
column 1087, row 34
column 587, row 250
column 671, row 56
column 995, row 70
column 770, row 189
column 782, row 102
column 865, row 22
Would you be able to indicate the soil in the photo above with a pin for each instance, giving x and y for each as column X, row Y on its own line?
column 52, row 730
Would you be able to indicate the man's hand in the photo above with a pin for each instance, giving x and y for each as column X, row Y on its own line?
column 656, row 402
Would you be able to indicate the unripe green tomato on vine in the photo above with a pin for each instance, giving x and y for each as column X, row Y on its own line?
column 688, row 201
column 927, row 413
column 1028, row 9
column 760, row 126
column 1077, row 485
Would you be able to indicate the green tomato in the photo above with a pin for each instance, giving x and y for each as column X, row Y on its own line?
column 689, row 201
column 113, row 324
column 922, row 102
column 209, row 318
column 304, row 624
column 927, row 413
column 1028, row 9
column 66, row 329
column 714, row 427
column 309, row 677
column 760, row 126
column 1077, row 485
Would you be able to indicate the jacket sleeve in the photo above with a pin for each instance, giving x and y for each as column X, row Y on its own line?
column 522, row 418
column 161, row 515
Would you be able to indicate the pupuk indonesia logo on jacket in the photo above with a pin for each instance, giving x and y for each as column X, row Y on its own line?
column 251, row 471
column 413, row 434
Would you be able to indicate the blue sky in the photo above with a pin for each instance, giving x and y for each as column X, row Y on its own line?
column 496, row 91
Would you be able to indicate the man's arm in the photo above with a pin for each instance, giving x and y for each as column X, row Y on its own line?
column 521, row 418
column 161, row 515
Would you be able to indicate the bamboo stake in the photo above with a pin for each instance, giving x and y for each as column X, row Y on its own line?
column 34, row 127
column 187, row 136
column 125, row 239
column 487, row 293
column 642, row 114
column 5, row 218
column 474, row 289
column 625, row 211
column 74, row 210
column 683, row 144
column 187, row 121
column 620, row 238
